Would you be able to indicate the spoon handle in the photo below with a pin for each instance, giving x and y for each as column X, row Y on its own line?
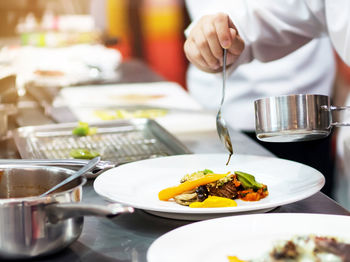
column 89, row 166
column 224, row 77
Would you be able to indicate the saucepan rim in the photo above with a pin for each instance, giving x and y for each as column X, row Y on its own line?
column 286, row 96
column 37, row 199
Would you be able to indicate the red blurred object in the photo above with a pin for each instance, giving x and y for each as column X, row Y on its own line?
column 343, row 70
column 151, row 30
column 165, row 56
column 124, row 48
column 162, row 26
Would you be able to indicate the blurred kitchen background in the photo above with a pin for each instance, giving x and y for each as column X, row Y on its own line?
column 58, row 43
column 151, row 30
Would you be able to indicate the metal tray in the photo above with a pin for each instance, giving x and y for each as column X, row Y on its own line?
column 119, row 141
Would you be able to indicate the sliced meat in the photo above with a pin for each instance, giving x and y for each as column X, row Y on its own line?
column 331, row 245
column 227, row 190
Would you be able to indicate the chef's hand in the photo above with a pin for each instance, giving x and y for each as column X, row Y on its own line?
column 205, row 43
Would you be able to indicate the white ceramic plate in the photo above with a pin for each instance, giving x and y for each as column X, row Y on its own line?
column 137, row 184
column 246, row 237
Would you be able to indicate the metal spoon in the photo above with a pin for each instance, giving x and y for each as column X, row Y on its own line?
column 89, row 166
column 220, row 122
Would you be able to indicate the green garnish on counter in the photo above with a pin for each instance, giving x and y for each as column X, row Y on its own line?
column 247, row 180
column 83, row 129
column 82, row 153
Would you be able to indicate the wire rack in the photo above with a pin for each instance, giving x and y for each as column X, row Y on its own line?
column 117, row 141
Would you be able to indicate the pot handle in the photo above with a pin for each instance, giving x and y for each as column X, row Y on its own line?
column 74, row 164
column 59, row 212
column 337, row 109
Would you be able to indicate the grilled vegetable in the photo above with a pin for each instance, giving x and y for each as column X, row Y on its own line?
column 82, row 153
column 83, row 129
column 186, row 198
column 247, row 180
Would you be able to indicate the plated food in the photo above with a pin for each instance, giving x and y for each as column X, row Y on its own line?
column 272, row 237
column 49, row 73
column 138, row 98
column 208, row 189
column 305, row 248
column 130, row 114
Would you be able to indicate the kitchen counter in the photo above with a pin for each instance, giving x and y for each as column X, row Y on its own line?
column 127, row 237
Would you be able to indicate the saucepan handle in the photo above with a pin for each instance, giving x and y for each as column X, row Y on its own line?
column 59, row 212
column 337, row 109
column 74, row 164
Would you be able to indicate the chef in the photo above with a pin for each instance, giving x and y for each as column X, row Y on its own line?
column 269, row 30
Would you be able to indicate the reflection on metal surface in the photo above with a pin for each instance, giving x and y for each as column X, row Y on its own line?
column 292, row 136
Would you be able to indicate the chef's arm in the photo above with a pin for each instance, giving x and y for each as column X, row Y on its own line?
column 265, row 30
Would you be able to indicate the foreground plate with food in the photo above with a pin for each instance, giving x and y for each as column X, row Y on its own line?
column 137, row 184
column 248, row 237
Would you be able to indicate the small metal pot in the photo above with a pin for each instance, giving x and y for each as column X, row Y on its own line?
column 33, row 226
column 294, row 118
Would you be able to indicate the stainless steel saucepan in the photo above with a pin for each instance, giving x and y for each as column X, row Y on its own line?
column 31, row 225
column 293, row 118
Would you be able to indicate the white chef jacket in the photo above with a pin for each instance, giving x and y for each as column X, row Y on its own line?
column 274, row 28
column 308, row 70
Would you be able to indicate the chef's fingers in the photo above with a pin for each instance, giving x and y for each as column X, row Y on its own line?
column 230, row 59
column 194, row 55
column 237, row 44
column 221, row 23
column 211, row 35
column 228, row 36
column 202, row 44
